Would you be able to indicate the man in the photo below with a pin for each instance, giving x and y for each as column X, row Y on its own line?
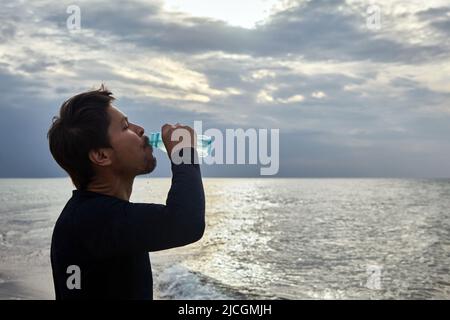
column 101, row 240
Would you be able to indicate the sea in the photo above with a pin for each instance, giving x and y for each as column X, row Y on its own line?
column 268, row 238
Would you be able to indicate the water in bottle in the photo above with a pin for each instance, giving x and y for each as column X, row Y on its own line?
column 203, row 143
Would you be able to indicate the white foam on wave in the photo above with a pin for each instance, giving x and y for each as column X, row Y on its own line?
column 179, row 283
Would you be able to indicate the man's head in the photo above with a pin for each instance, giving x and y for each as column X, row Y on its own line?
column 92, row 138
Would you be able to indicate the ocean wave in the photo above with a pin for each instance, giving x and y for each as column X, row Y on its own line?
column 179, row 283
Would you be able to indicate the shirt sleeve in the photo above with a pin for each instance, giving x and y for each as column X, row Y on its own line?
column 115, row 227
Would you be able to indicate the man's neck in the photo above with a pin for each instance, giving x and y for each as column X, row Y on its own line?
column 112, row 186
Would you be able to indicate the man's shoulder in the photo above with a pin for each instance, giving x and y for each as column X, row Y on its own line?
column 85, row 216
column 79, row 210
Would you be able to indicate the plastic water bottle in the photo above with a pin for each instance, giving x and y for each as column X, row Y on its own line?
column 203, row 143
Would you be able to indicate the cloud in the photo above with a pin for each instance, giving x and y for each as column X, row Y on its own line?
column 318, row 94
column 316, row 30
column 7, row 31
column 342, row 95
column 293, row 99
column 439, row 18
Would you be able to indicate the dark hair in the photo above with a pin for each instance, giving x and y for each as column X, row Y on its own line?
column 82, row 126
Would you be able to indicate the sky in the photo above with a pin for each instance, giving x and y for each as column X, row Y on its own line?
column 356, row 88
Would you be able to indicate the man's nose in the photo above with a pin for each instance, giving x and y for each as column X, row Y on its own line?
column 140, row 131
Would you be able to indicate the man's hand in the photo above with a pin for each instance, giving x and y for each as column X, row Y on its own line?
column 176, row 137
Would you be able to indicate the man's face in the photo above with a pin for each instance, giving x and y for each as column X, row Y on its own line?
column 132, row 155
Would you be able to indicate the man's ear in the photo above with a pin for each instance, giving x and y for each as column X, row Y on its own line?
column 101, row 156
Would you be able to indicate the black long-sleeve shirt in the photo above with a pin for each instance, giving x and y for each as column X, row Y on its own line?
column 108, row 239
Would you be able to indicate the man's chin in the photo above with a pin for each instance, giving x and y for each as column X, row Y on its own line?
column 152, row 166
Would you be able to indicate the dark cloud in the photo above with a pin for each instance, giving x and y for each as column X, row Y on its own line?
column 315, row 29
column 7, row 31
column 439, row 18
column 443, row 25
